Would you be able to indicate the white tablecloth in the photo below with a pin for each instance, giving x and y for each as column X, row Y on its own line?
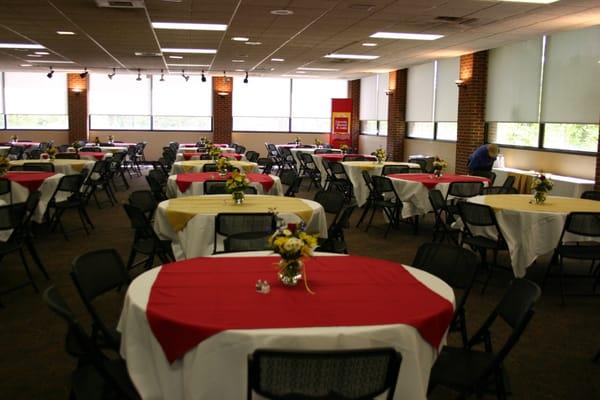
column 216, row 368
column 195, row 149
column 196, row 239
column 197, row 188
column 528, row 234
column 566, row 186
column 354, row 171
column 180, row 157
column 4, row 150
column 181, row 167
column 67, row 167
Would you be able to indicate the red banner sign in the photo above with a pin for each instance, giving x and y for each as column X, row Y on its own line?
column 341, row 117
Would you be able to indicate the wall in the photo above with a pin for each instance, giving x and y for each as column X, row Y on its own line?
column 444, row 150
column 368, row 143
column 59, row 137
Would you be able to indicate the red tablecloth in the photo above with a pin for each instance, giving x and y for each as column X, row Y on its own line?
column 188, row 156
column 339, row 157
column 31, row 180
column 24, row 144
column 184, row 181
column 95, row 154
column 196, row 145
column 194, row 299
column 430, row 180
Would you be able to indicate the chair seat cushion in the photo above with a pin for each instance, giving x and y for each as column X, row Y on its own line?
column 460, row 368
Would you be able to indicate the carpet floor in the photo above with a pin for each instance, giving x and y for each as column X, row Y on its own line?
column 553, row 359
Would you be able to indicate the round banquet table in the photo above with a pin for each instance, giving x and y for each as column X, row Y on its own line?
column 67, row 167
column 354, row 171
column 192, row 184
column 331, row 157
column 104, row 149
column 4, row 150
column 195, row 345
column 194, row 155
column 189, row 222
column 414, row 189
column 23, row 182
column 182, row 167
column 531, row 230
column 94, row 155
column 194, row 148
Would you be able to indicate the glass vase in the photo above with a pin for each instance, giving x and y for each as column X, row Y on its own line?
column 438, row 173
column 539, row 197
column 290, row 272
column 238, row 197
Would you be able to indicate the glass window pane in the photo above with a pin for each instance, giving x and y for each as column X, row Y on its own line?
column 579, row 137
column 420, row 130
column 1, row 102
column 37, row 121
column 262, row 104
column 119, row 103
column 368, row 127
column 177, row 97
column 383, row 128
column 181, row 123
column 515, row 133
column 311, row 103
column 446, row 131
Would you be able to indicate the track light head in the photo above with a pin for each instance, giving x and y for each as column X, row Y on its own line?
column 162, row 76
column 246, row 78
column 186, row 77
column 203, row 76
column 84, row 73
column 49, row 74
column 139, row 77
column 110, row 76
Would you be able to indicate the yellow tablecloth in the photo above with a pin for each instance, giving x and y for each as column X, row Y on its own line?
column 188, row 166
column 76, row 165
column 371, row 164
column 553, row 204
column 181, row 210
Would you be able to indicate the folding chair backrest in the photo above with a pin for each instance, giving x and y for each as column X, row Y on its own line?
column 215, row 187
column 368, row 179
column 331, row 200
column 591, row 195
column 4, row 186
column 436, row 199
column 266, row 163
column 337, row 170
column 342, row 374
column 518, row 301
column 31, row 204
column 91, row 149
column 493, row 190
column 476, row 214
column 144, row 200
column 257, row 225
column 307, row 160
column 209, row 167
column 70, row 184
column 252, row 156
column 464, row 189
column 140, row 222
column 42, row 166
column 455, row 265
column 508, row 182
column 394, row 169
column 382, row 184
column 12, row 215
column 98, row 272
column 583, row 223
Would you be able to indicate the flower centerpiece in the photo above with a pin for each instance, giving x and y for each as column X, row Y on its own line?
column 14, row 138
column 541, row 185
column 318, row 142
column 76, row 145
column 214, row 152
column 223, row 166
column 51, row 151
column 439, row 166
column 236, row 185
column 292, row 243
column 297, row 140
column 97, row 141
column 4, row 165
column 111, row 139
column 380, row 155
column 344, row 148
column 203, row 140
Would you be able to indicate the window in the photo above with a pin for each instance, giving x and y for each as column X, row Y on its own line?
column 374, row 104
column 514, row 133
column 119, row 103
column 420, row 100
column 446, row 98
column 32, row 101
column 446, row 131
column 262, row 104
column 422, row 130
column 311, row 103
column 1, row 101
column 368, row 127
column 181, row 105
column 577, row 137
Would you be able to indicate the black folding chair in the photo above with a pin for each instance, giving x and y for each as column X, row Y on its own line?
column 209, row 167
column 342, row 374
column 145, row 201
column 591, row 195
column 38, row 166
column 336, row 241
column 387, row 199
column 470, row 371
column 69, row 186
column 440, row 210
column 485, row 174
column 253, row 228
column 290, row 178
column 394, row 169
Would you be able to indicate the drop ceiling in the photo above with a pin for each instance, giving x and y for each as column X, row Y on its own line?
column 107, row 38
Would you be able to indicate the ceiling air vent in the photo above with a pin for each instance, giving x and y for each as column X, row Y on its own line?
column 456, row 20
column 120, row 3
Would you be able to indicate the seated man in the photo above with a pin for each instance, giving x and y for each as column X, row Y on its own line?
column 483, row 158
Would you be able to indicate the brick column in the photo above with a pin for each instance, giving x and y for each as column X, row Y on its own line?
column 471, row 107
column 222, row 111
column 397, row 114
column 354, row 94
column 597, row 186
column 77, row 95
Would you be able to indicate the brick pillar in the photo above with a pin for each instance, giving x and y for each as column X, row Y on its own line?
column 222, row 111
column 397, row 114
column 597, row 187
column 471, row 107
column 354, row 94
column 77, row 96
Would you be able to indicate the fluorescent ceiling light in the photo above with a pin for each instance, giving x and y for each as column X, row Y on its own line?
column 238, row 61
column 317, row 69
column 21, row 46
column 176, row 57
column 65, row 32
column 406, row 36
column 240, row 70
column 300, row 76
column 278, row 59
column 189, row 26
column 189, row 51
column 352, row 56
column 33, row 55
column 188, row 65
column 52, row 61
column 240, row 39
column 253, row 43
column 300, row 72
column 368, row 44
column 42, row 53
column 25, row 65
column 530, row 1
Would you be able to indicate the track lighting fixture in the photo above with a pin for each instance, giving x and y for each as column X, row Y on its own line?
column 84, row 73
column 162, row 76
column 186, row 77
column 203, row 76
column 110, row 76
column 139, row 77
column 246, row 78
column 49, row 74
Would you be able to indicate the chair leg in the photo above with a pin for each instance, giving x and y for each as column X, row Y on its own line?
column 36, row 257
column 484, row 263
column 27, row 270
column 560, row 277
column 364, row 213
column 83, row 223
column 85, row 215
column 131, row 258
